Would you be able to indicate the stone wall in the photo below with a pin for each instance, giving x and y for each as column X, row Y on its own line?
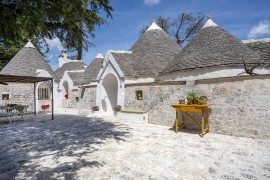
column 240, row 105
column 86, row 99
column 18, row 94
column 21, row 94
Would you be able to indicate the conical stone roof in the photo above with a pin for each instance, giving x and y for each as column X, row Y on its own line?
column 74, row 65
column 91, row 72
column 26, row 63
column 213, row 46
column 153, row 51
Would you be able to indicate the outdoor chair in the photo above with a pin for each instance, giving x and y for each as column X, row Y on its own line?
column 21, row 110
column 3, row 112
column 11, row 113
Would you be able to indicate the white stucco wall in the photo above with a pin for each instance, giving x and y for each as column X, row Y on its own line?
column 44, row 73
column 69, row 81
column 110, row 68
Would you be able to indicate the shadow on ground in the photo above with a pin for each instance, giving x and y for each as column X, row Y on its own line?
column 66, row 136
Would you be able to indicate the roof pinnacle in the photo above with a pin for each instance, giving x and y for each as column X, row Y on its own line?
column 153, row 27
column 29, row 44
column 209, row 22
column 99, row 56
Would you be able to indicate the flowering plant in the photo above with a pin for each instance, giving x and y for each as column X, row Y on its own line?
column 66, row 96
column 117, row 108
column 45, row 106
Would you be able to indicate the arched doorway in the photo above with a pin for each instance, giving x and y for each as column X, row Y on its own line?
column 43, row 95
column 65, row 88
column 109, row 99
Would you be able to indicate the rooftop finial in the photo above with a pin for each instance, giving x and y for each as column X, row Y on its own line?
column 153, row 26
column 209, row 22
column 99, row 56
column 29, row 44
column 208, row 17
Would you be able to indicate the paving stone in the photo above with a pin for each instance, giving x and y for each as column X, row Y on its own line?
column 73, row 147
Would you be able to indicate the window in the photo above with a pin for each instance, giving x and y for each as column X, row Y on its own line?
column 5, row 96
column 43, row 91
column 139, row 95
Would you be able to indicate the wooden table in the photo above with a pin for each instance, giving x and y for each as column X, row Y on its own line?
column 194, row 108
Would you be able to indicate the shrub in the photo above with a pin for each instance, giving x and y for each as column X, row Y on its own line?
column 117, row 108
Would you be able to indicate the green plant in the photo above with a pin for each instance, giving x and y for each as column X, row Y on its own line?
column 19, row 108
column 192, row 95
column 203, row 98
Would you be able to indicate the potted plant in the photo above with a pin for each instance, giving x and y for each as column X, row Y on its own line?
column 95, row 108
column 117, row 108
column 66, row 96
column 19, row 108
column 203, row 99
column 44, row 107
column 192, row 98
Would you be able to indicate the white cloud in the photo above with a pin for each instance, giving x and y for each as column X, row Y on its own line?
column 54, row 43
column 263, row 28
column 151, row 2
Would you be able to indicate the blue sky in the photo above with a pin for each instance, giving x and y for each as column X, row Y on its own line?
column 245, row 19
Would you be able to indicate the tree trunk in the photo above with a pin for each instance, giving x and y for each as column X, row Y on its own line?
column 79, row 50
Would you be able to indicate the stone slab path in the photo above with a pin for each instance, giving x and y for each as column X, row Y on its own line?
column 73, row 147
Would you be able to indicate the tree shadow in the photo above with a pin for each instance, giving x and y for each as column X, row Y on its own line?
column 24, row 145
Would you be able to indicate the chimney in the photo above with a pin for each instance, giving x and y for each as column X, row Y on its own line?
column 63, row 58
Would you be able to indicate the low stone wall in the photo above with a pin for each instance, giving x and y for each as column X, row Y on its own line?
column 240, row 106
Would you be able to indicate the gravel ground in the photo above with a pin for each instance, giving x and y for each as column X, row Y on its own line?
column 71, row 147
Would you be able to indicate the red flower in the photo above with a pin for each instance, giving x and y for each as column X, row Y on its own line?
column 45, row 106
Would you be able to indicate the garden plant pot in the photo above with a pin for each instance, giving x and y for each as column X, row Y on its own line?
column 190, row 101
column 182, row 101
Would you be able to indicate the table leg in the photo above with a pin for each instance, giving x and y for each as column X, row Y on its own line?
column 176, row 122
column 207, row 121
column 202, row 131
column 183, row 118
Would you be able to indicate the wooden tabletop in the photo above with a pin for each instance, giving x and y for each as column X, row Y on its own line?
column 191, row 105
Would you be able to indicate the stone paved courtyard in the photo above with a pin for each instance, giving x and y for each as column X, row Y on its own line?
column 73, row 147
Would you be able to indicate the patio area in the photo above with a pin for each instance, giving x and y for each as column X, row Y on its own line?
column 72, row 147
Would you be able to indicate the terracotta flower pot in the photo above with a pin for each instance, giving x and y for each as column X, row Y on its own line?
column 181, row 101
column 190, row 101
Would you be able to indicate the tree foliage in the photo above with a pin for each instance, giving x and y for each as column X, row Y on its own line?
column 72, row 21
column 182, row 29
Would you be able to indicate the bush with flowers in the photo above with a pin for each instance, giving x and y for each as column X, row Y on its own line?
column 44, row 107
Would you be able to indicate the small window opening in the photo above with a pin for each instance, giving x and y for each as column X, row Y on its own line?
column 5, row 96
column 43, row 92
column 139, row 95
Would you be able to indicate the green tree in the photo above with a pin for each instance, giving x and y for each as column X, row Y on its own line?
column 72, row 21
column 182, row 29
